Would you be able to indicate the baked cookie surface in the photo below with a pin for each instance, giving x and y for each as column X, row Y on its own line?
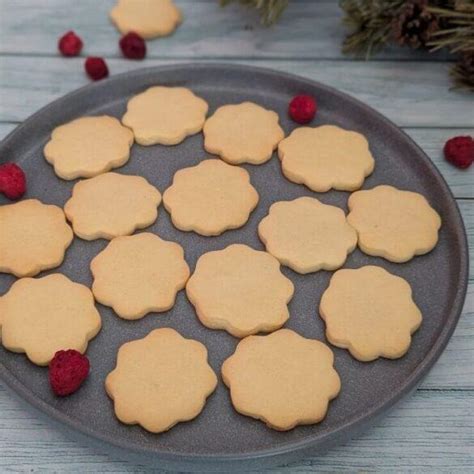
column 210, row 198
column 241, row 290
column 33, row 237
column 307, row 235
column 326, row 157
column 242, row 133
column 165, row 115
column 160, row 380
column 111, row 205
column 370, row 312
column 40, row 316
column 139, row 274
column 88, row 146
column 392, row 223
column 148, row 18
column 282, row 379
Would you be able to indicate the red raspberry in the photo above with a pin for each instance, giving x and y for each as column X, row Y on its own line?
column 133, row 46
column 70, row 44
column 302, row 108
column 96, row 68
column 460, row 151
column 12, row 181
column 67, row 370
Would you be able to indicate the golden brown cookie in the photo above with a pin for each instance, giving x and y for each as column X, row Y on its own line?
column 307, row 235
column 393, row 224
column 33, row 237
column 370, row 312
column 282, row 379
column 139, row 274
column 160, row 380
column 148, row 18
column 111, row 205
column 88, row 146
column 40, row 316
column 165, row 115
column 210, row 198
column 242, row 133
column 326, row 157
column 241, row 290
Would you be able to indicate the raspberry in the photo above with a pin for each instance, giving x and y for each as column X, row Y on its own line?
column 70, row 44
column 302, row 109
column 12, row 181
column 133, row 46
column 96, row 68
column 67, row 370
column 460, row 151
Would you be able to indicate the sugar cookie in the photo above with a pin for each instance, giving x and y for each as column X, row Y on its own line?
column 40, row 316
column 370, row 312
column 210, row 198
column 393, row 224
column 326, row 157
column 242, row 133
column 165, row 115
column 241, row 290
column 148, row 18
column 111, row 205
column 88, row 146
column 139, row 274
column 307, row 235
column 160, row 380
column 33, row 237
column 282, row 379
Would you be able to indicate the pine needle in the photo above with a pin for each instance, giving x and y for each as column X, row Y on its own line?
column 270, row 10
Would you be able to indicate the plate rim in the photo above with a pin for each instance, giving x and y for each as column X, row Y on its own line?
column 347, row 429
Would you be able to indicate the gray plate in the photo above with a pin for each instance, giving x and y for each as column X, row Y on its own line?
column 220, row 438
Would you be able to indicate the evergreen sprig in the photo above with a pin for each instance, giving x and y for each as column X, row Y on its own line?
column 270, row 10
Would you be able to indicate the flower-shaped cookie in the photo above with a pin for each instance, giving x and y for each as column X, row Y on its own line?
column 241, row 290
column 33, row 237
column 370, row 312
column 307, row 235
column 138, row 274
column 210, row 198
column 242, row 133
column 40, row 316
column 165, row 115
column 393, row 224
column 111, row 205
column 88, row 146
column 148, row 18
column 326, row 157
column 160, row 380
column 282, row 379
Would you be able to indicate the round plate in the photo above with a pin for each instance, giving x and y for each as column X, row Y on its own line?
column 220, row 438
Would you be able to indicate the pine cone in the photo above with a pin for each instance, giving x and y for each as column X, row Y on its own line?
column 415, row 24
column 463, row 72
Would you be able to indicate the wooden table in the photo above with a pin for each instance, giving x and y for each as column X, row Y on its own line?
column 433, row 430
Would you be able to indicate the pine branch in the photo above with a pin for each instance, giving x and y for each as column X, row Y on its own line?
column 270, row 10
column 370, row 22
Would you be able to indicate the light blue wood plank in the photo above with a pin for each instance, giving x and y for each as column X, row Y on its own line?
column 308, row 29
column 393, row 88
column 432, row 428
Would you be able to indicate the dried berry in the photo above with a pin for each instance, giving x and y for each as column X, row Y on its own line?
column 133, row 46
column 67, row 370
column 96, row 68
column 302, row 109
column 12, row 181
column 70, row 44
column 460, row 151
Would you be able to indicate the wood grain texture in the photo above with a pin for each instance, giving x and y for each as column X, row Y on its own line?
column 430, row 432
column 28, row 83
column 308, row 29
